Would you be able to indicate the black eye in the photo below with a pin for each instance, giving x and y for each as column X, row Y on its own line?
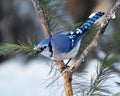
column 44, row 47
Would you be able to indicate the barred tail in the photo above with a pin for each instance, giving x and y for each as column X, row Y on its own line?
column 80, row 31
column 90, row 21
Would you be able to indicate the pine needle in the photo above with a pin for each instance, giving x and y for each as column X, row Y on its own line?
column 12, row 49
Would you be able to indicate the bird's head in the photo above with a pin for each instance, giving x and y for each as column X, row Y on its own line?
column 44, row 48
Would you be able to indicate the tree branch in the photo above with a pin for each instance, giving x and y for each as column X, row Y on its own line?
column 96, row 39
column 66, row 75
column 39, row 9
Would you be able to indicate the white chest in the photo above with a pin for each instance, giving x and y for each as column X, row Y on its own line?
column 63, row 56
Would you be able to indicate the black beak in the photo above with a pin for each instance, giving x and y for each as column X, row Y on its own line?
column 37, row 51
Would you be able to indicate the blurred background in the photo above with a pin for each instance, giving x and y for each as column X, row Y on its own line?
column 23, row 76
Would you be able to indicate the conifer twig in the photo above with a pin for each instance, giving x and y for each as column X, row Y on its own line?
column 66, row 75
column 96, row 39
column 39, row 9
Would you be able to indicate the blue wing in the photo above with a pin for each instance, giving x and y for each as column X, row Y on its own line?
column 66, row 42
column 62, row 43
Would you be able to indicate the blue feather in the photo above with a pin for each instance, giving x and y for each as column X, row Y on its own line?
column 62, row 43
column 64, row 46
column 90, row 21
column 77, row 34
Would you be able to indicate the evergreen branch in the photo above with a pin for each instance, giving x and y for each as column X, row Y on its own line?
column 97, row 85
column 66, row 75
column 6, row 49
column 104, row 73
column 42, row 17
column 108, row 61
column 97, row 38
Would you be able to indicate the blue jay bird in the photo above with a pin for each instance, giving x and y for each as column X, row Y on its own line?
column 65, row 46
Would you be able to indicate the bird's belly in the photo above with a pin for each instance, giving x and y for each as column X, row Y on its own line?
column 63, row 56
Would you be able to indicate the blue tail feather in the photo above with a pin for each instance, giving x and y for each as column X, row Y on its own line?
column 90, row 21
column 78, row 33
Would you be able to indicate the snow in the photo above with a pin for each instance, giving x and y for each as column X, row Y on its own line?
column 23, row 80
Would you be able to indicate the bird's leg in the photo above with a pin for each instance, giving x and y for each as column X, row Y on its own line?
column 66, row 65
column 68, row 61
